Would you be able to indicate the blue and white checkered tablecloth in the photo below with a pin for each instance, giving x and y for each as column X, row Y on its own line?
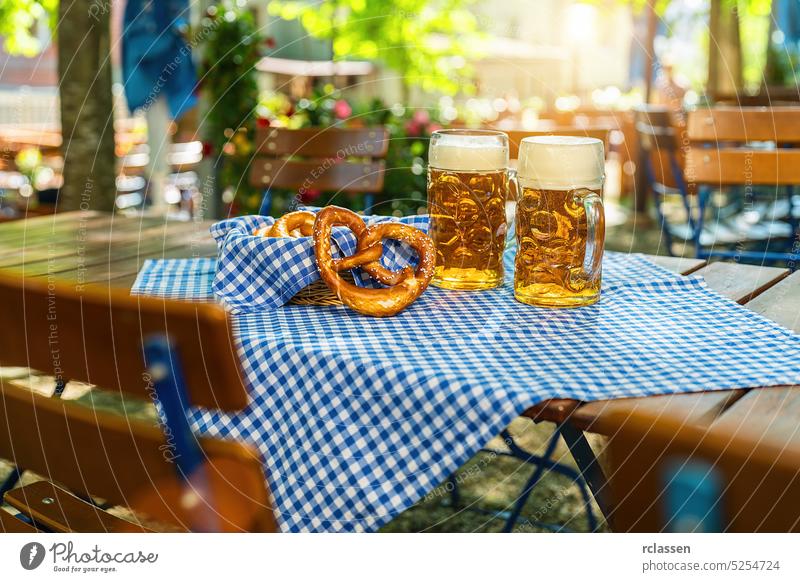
column 357, row 418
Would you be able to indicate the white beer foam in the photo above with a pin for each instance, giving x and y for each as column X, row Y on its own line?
column 467, row 156
column 555, row 162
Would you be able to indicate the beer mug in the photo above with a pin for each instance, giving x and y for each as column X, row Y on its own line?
column 467, row 191
column 560, row 225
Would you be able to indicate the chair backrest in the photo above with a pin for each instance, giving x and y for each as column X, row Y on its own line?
column 99, row 336
column 655, row 128
column 669, row 475
column 328, row 159
column 659, row 142
column 769, row 96
column 745, row 124
column 515, row 137
column 722, row 150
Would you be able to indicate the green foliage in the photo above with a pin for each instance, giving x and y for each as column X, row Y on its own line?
column 18, row 20
column 754, row 23
column 426, row 42
column 228, row 79
column 784, row 65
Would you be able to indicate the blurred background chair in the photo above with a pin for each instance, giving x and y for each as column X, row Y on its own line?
column 723, row 179
column 344, row 161
column 745, row 168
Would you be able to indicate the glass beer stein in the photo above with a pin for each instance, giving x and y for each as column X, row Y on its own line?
column 560, row 225
column 467, row 191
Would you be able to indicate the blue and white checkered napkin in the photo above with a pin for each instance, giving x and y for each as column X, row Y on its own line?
column 257, row 272
column 357, row 418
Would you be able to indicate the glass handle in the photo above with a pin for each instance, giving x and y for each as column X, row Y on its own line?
column 513, row 178
column 595, row 230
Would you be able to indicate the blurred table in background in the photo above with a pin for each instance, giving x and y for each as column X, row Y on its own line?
column 98, row 248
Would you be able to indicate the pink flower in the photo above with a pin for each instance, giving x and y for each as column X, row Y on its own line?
column 342, row 109
column 434, row 127
column 413, row 129
column 309, row 195
column 421, row 117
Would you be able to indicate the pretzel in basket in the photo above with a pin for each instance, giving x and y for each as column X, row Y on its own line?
column 404, row 286
column 294, row 224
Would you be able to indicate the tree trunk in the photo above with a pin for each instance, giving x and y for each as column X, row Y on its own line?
column 650, row 51
column 87, row 120
column 724, row 51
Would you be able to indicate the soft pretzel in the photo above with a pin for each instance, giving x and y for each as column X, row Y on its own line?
column 405, row 285
column 294, row 224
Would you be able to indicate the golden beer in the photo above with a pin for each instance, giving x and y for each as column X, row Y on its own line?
column 560, row 225
column 467, row 192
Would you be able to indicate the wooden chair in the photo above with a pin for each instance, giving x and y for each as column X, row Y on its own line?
column 722, row 153
column 330, row 159
column 174, row 354
column 662, row 161
column 667, row 475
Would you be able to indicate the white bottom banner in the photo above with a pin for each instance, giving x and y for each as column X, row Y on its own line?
column 406, row 557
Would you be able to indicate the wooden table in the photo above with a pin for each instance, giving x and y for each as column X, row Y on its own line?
column 95, row 248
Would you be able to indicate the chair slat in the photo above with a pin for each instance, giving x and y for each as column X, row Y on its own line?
column 11, row 524
column 55, row 509
column 323, row 143
column 323, row 175
column 743, row 124
column 95, row 335
column 739, row 166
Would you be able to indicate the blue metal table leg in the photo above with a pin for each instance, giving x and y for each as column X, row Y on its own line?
column 587, row 462
column 534, row 478
column 542, row 463
column 455, row 494
column 61, row 385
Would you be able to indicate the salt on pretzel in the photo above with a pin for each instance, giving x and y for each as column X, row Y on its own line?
column 294, row 224
column 405, row 285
